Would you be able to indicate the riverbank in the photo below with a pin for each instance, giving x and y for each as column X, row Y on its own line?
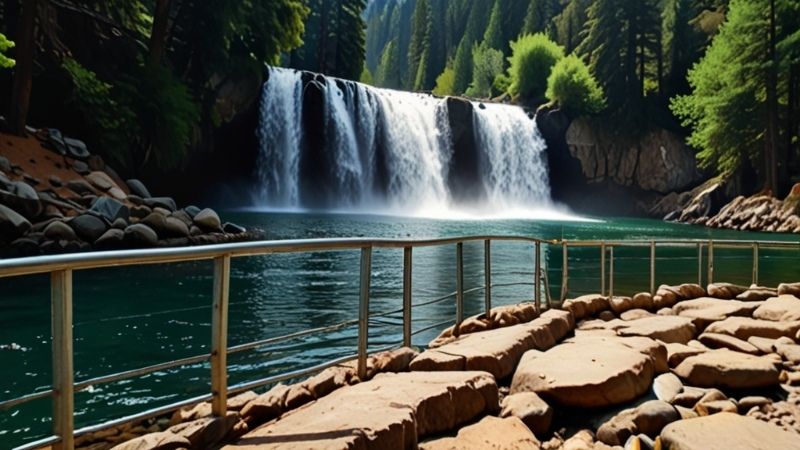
column 57, row 197
column 688, row 367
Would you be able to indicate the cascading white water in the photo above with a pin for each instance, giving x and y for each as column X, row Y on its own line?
column 391, row 151
column 514, row 160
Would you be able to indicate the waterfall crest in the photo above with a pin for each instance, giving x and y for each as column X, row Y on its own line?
column 332, row 144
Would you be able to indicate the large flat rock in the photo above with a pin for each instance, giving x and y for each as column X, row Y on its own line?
column 490, row 433
column 393, row 410
column 670, row 329
column 728, row 369
column 496, row 351
column 745, row 327
column 591, row 370
column 785, row 308
column 705, row 310
column 725, row 431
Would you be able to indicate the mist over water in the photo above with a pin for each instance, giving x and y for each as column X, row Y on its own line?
column 391, row 152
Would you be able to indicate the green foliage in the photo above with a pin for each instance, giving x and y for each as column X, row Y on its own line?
column 532, row 58
column 681, row 43
column 539, row 16
column 445, row 82
column 726, row 106
column 487, row 64
column 505, row 23
column 568, row 25
column 112, row 123
column 366, row 76
column 420, row 33
column 388, row 73
column 573, row 87
column 5, row 44
column 462, row 64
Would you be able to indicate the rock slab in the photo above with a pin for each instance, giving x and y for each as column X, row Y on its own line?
column 490, row 433
column 726, row 431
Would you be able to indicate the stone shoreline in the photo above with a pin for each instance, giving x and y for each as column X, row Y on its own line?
column 688, row 368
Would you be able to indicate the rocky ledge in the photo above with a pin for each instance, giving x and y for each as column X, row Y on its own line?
column 56, row 197
column 686, row 368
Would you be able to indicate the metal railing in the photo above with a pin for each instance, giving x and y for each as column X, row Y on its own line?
column 61, row 268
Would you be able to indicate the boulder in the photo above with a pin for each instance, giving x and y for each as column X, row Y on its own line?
column 208, row 220
column 534, row 412
column 206, row 432
column 76, row 148
column 110, row 209
column 726, row 431
column 728, row 369
column 155, row 441
column 745, row 327
column 668, row 329
column 618, row 429
column 161, row 202
column 586, row 306
column 266, row 406
column 88, row 227
column 716, row 340
column 705, row 310
column 138, row 188
column 232, row 228
column 785, row 308
column 12, row 224
column 757, row 294
column 80, row 186
column 81, row 167
column 715, row 407
column 633, row 314
column 590, row 370
column 101, row 181
column 725, row 291
column 491, row 432
column 141, row 235
column 22, row 198
column 745, row 404
column 667, row 386
column 789, row 289
column 357, row 416
column 192, row 211
column 112, row 238
column 58, row 230
column 643, row 300
column 764, row 345
column 648, row 418
column 620, row 304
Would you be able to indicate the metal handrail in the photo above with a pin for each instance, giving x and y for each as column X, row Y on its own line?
column 61, row 268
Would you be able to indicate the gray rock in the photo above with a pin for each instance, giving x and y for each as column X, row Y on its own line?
column 175, row 227
column 195, row 231
column 101, row 181
column 110, row 209
column 5, row 166
column 22, row 198
column 119, row 224
column 12, row 224
column 88, row 227
column 163, row 211
column 208, row 220
column 80, row 186
column 135, row 199
column 24, row 247
column 113, row 238
column 55, row 181
column 81, row 167
column 140, row 212
column 183, row 216
column 51, row 212
column 232, row 228
column 192, row 211
column 138, row 188
column 55, row 140
column 58, row 230
column 163, row 202
column 76, row 149
column 141, row 235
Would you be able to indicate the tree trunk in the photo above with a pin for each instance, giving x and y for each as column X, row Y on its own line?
column 158, row 34
column 776, row 170
column 23, row 72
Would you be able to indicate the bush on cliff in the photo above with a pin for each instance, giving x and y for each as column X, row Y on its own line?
column 533, row 57
column 573, row 87
column 445, row 82
column 5, row 44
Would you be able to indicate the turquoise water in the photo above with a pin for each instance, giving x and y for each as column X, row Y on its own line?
column 127, row 318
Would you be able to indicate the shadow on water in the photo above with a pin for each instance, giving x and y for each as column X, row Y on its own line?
column 130, row 317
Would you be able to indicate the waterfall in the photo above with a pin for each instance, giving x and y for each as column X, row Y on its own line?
column 343, row 145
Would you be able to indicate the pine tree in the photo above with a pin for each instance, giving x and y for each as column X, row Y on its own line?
column 568, row 25
column 540, row 15
column 420, row 29
column 462, row 63
column 388, row 72
column 681, row 44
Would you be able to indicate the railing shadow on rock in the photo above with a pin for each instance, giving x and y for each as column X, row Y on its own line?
column 61, row 268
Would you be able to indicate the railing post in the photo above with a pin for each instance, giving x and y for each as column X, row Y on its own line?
column 63, row 376
column 363, row 311
column 755, row 263
column 700, row 263
column 219, row 336
column 564, row 271
column 537, row 276
column 487, row 277
column 611, row 272
column 603, row 268
column 459, row 288
column 652, row 267
column 710, row 262
column 407, row 296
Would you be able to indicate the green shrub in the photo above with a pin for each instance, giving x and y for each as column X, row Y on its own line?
column 445, row 82
column 5, row 61
column 573, row 87
column 487, row 63
column 532, row 58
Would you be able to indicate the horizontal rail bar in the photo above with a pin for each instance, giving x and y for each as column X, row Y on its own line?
column 290, row 336
column 25, row 399
column 142, row 371
column 422, row 330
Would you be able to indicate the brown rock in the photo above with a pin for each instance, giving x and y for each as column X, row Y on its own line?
column 686, row 413
column 155, row 441
column 728, row 369
column 676, row 353
column 238, row 402
column 530, row 408
column 490, row 433
column 298, row 395
column 764, row 345
column 704, row 311
column 652, row 416
column 620, row 304
column 582, row 440
column 206, row 432
column 690, row 396
column 618, row 429
column 725, row 291
column 633, row 314
column 190, row 413
column 789, row 289
column 757, row 294
column 589, row 371
column 667, row 329
column 790, row 378
column 643, row 300
column 717, row 406
column 359, row 416
column 785, row 308
column 747, row 403
column 266, row 406
column 606, row 316
column 789, row 352
column 586, row 305
column 716, row 340
column 726, row 431
column 744, row 327
column 667, row 386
